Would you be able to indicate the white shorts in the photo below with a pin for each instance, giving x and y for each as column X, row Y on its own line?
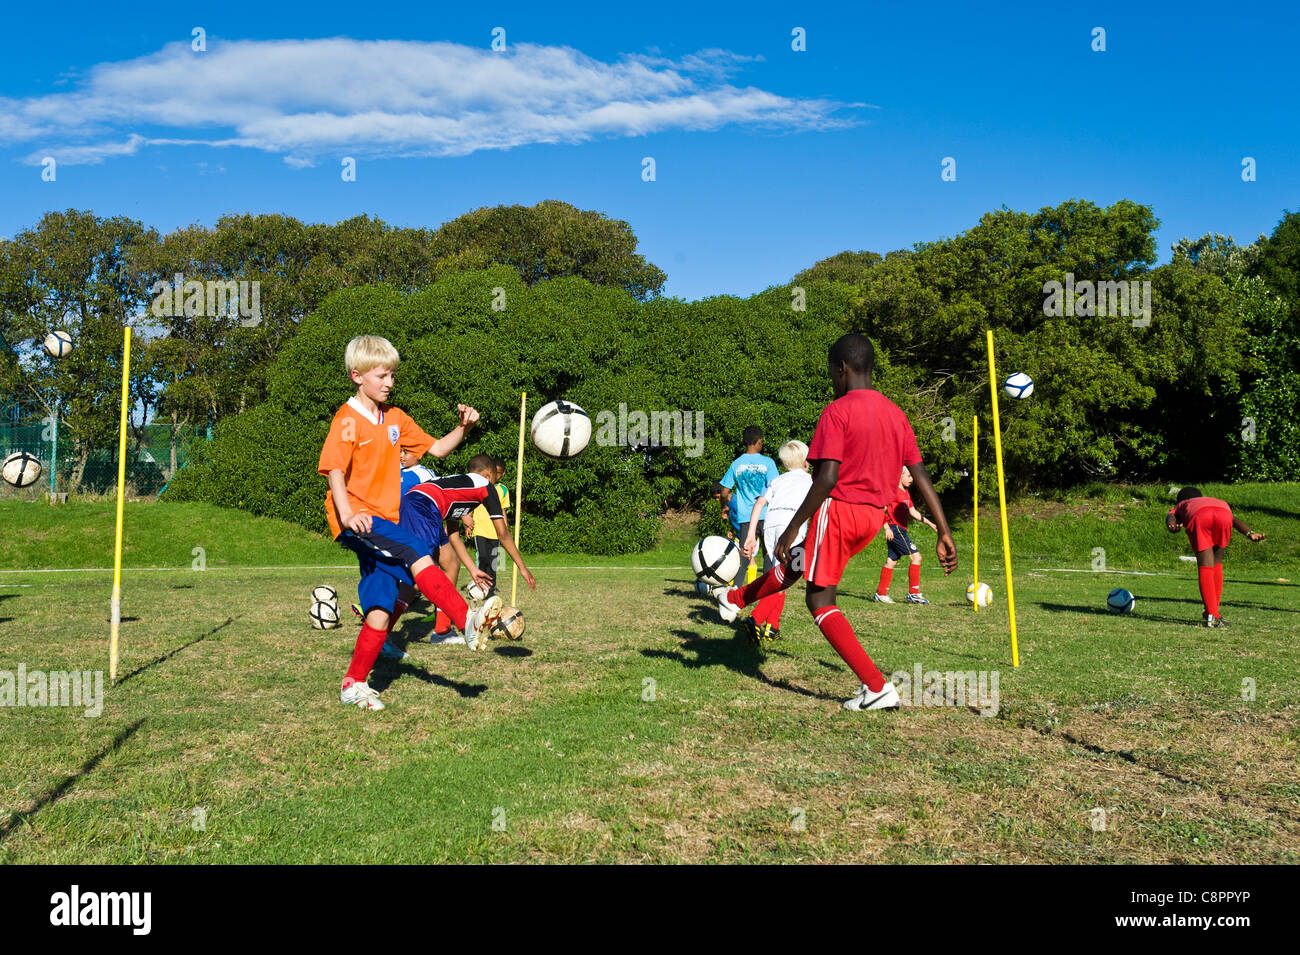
column 773, row 528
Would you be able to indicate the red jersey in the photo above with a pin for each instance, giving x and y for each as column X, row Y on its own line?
column 872, row 439
column 900, row 512
column 1186, row 510
column 459, row 494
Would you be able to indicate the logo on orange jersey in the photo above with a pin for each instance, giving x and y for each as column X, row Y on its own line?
column 393, row 434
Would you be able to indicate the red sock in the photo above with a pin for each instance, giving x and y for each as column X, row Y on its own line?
column 441, row 622
column 363, row 657
column 437, row 589
column 1218, row 583
column 886, row 575
column 913, row 578
column 1209, row 595
column 774, row 581
column 840, row 633
column 399, row 608
column 769, row 609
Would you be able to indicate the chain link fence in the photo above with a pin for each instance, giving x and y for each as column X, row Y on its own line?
column 154, row 452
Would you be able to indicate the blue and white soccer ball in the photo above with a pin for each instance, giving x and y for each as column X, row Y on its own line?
column 1120, row 601
column 1018, row 385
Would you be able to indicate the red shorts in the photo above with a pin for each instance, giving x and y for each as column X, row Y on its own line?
column 1210, row 527
column 835, row 533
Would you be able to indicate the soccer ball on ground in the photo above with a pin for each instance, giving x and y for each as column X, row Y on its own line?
column 716, row 560
column 21, row 469
column 1120, row 601
column 1018, row 385
column 325, row 593
column 324, row 615
column 57, row 344
column 983, row 594
column 509, row 623
column 561, row 429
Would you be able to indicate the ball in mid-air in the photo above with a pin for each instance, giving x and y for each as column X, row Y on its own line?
column 325, row 593
column 21, row 469
column 561, row 429
column 324, row 615
column 982, row 594
column 1120, row 601
column 476, row 591
column 509, row 623
column 716, row 560
column 57, row 344
column 1018, row 385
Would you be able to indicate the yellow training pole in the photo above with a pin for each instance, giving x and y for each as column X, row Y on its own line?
column 519, row 493
column 121, row 493
column 975, row 456
column 1002, row 502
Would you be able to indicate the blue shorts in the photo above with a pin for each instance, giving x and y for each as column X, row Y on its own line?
column 901, row 546
column 385, row 556
column 421, row 518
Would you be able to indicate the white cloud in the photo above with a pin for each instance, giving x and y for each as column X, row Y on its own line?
column 305, row 98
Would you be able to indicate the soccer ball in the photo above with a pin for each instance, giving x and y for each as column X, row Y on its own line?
column 324, row 615
column 509, row 623
column 21, row 469
column 57, row 344
column 716, row 560
column 476, row 591
column 561, row 429
column 1018, row 385
column 1120, row 601
column 984, row 594
column 325, row 594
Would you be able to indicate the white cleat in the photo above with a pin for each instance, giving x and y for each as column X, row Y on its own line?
column 360, row 694
column 726, row 609
column 479, row 621
column 449, row 638
column 882, row 598
column 886, row 699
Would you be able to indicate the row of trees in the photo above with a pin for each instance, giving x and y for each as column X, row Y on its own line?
column 558, row 302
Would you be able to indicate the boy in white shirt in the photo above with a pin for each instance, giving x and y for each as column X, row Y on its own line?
column 774, row 509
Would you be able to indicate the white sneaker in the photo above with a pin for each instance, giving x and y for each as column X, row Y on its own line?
column 478, row 621
column 360, row 694
column 886, row 699
column 726, row 609
column 451, row 638
column 391, row 651
column 882, row 598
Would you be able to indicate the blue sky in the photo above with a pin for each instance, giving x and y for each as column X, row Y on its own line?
column 766, row 159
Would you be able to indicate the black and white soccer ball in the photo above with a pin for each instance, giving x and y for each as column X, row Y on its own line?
column 21, row 469
column 325, row 593
column 57, row 344
column 716, row 560
column 324, row 615
column 561, row 429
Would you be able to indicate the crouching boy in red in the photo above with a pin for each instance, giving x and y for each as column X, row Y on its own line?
column 1209, row 523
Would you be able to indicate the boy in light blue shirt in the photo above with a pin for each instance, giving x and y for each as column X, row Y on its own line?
column 742, row 485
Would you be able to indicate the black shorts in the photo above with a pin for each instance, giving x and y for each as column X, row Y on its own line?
column 901, row 546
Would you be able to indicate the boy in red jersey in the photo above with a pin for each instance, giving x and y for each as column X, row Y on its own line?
column 861, row 444
column 361, row 459
column 1209, row 523
column 900, row 546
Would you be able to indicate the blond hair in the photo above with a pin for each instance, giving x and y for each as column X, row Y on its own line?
column 793, row 454
column 366, row 352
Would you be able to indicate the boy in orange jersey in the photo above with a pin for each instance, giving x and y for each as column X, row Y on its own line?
column 1209, row 523
column 361, row 459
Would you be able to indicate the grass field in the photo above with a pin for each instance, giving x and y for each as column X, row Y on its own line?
column 631, row 726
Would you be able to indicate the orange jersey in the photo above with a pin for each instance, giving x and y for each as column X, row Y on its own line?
column 368, row 451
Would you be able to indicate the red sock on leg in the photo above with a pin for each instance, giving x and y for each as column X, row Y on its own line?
column 913, row 578
column 1209, row 595
column 369, row 640
column 1218, row 585
column 399, row 608
column 773, row 581
column 886, row 575
column 836, row 628
column 769, row 609
column 438, row 590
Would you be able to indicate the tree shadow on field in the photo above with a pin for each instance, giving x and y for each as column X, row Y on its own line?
column 1094, row 612
column 387, row 671
column 56, row 792
column 734, row 654
column 1254, row 605
column 171, row 653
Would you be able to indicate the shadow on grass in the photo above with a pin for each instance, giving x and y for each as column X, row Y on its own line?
column 56, row 792
column 513, row 651
column 734, row 654
column 1094, row 612
column 387, row 671
column 1227, row 603
column 171, row 653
